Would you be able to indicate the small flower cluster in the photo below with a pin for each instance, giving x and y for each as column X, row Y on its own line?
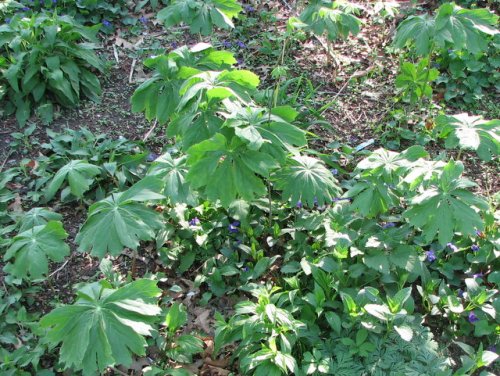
column 194, row 222
column 234, row 227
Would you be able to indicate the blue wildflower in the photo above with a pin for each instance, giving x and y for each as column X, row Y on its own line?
column 460, row 293
column 239, row 61
column 334, row 171
column 475, row 248
column 226, row 44
column 7, row 20
column 194, row 222
column 143, row 20
column 430, row 255
column 249, row 9
column 174, row 45
column 492, row 348
column 233, row 227
column 25, row 9
column 151, row 157
column 452, row 246
column 245, row 268
column 299, row 204
column 478, row 275
column 106, row 23
column 241, row 44
column 389, row 225
column 473, row 318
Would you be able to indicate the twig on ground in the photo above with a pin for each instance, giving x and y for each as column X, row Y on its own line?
column 115, row 53
column 132, row 67
column 59, row 268
column 148, row 133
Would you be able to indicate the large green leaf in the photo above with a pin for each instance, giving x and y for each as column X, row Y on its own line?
column 306, row 179
column 33, row 247
column 173, row 172
column 447, row 207
column 105, row 326
column 79, row 175
column 464, row 28
column 333, row 17
column 471, row 132
column 227, row 171
column 122, row 220
column 418, row 30
column 200, row 16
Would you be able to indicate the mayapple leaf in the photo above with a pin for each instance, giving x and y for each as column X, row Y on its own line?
column 307, row 180
column 122, row 220
column 105, row 326
column 471, row 133
column 32, row 248
column 446, row 207
column 79, row 176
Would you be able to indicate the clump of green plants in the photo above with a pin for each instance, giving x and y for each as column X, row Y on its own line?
column 200, row 16
column 46, row 60
column 460, row 42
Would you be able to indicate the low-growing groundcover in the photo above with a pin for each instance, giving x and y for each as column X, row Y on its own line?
column 236, row 247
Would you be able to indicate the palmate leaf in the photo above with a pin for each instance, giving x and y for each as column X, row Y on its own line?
column 200, row 16
column 418, row 30
column 306, row 179
column 464, row 28
column 105, row 326
column 37, row 217
column 447, row 207
column 173, row 173
column 33, row 247
column 79, row 175
column 334, row 18
column 122, row 220
column 227, row 170
column 471, row 132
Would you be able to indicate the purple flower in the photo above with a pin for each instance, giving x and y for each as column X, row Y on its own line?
column 389, row 225
column 460, row 293
column 473, row 318
column 226, row 44
column 194, row 222
column 144, row 20
column 452, row 246
column 106, row 23
column 475, row 248
column 478, row 275
column 430, row 255
column 334, row 171
column 151, row 157
column 7, row 20
column 245, row 268
column 25, row 9
column 241, row 44
column 239, row 61
column 249, row 8
column 233, row 227
column 492, row 348
column 174, row 45
column 299, row 204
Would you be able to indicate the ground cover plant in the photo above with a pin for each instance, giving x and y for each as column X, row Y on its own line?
column 253, row 188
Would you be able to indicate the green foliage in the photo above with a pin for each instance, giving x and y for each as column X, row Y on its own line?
column 446, row 207
column 200, row 16
column 105, row 326
column 414, row 80
column 470, row 133
column 44, row 61
column 121, row 220
column 32, row 248
column 462, row 29
column 79, row 175
column 335, row 18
